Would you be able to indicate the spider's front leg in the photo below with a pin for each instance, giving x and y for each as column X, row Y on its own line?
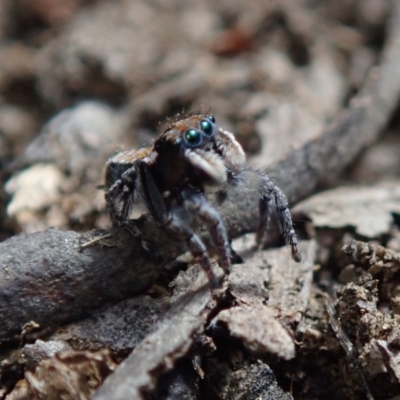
column 271, row 195
column 197, row 205
column 174, row 221
column 121, row 196
column 180, row 229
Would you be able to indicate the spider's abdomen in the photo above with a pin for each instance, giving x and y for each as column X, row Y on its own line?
column 121, row 162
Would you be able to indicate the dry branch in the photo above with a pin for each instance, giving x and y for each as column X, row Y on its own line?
column 158, row 352
column 47, row 277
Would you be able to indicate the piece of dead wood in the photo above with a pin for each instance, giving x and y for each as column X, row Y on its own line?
column 368, row 209
column 172, row 339
column 119, row 327
column 257, row 325
column 365, row 321
column 45, row 277
column 258, row 329
column 364, row 331
column 247, row 381
column 69, row 375
column 347, row 347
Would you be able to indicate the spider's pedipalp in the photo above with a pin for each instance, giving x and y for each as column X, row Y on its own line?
column 209, row 164
column 231, row 151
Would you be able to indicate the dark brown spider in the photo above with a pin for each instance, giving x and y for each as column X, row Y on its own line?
column 172, row 178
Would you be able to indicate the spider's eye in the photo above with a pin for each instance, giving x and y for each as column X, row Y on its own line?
column 211, row 118
column 207, row 127
column 193, row 137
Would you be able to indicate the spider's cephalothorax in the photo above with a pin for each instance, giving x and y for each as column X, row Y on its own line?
column 173, row 177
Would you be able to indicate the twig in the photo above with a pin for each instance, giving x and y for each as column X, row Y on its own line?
column 48, row 277
column 158, row 352
column 347, row 347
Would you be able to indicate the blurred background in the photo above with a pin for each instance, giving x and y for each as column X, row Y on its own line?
column 82, row 79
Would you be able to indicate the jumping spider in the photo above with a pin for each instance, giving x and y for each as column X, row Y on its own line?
column 190, row 158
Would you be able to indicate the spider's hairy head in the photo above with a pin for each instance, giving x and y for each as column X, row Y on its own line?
column 205, row 146
column 193, row 150
column 193, row 131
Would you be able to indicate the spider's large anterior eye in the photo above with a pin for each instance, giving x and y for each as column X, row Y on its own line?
column 207, row 127
column 193, row 137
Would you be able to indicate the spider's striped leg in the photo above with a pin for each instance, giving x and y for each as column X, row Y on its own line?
column 271, row 195
column 179, row 228
column 197, row 205
column 121, row 194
